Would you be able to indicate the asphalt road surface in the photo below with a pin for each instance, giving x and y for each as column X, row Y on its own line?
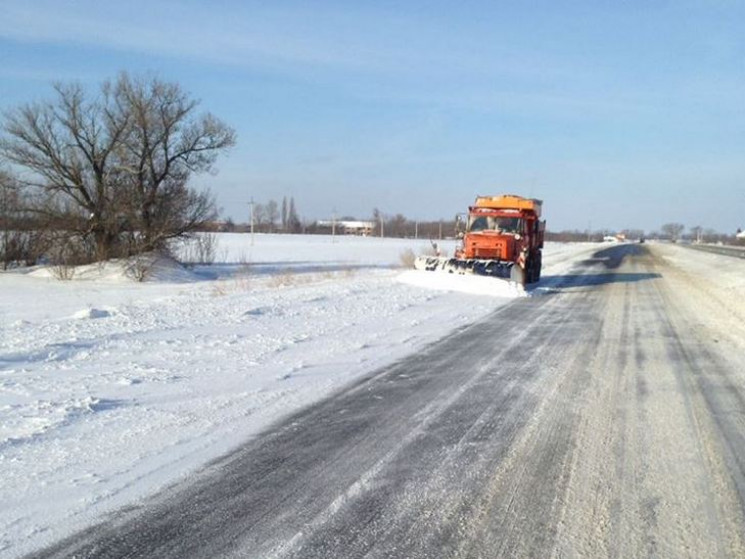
column 602, row 417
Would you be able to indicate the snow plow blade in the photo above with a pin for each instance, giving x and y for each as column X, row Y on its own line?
column 491, row 268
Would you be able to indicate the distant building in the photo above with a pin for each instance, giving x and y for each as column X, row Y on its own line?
column 363, row 228
column 740, row 234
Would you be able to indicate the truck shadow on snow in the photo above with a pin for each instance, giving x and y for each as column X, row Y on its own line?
column 589, row 280
column 601, row 268
column 612, row 257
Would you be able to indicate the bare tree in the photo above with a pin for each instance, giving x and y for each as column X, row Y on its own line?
column 259, row 215
column 23, row 239
column 377, row 217
column 69, row 148
column 114, row 167
column 9, row 208
column 397, row 226
column 284, row 216
column 167, row 143
column 673, row 230
column 9, row 200
column 293, row 221
column 713, row 236
column 272, row 214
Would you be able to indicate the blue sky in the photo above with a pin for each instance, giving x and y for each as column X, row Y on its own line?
column 617, row 114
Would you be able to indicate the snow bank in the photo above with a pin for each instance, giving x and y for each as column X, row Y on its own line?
column 476, row 285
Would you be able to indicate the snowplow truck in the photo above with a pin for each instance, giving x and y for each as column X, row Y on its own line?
column 502, row 236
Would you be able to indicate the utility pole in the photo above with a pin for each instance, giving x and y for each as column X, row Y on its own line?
column 382, row 226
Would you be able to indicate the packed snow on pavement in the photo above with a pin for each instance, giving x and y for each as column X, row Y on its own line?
column 111, row 389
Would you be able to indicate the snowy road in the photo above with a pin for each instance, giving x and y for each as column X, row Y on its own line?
column 605, row 418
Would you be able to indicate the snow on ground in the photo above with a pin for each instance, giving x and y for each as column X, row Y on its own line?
column 720, row 277
column 476, row 285
column 722, row 272
column 111, row 389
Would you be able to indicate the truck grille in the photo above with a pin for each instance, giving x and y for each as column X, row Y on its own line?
column 482, row 252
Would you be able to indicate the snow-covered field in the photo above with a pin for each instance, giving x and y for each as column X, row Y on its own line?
column 111, row 389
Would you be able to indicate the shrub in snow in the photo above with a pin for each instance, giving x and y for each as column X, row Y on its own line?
column 407, row 258
column 200, row 249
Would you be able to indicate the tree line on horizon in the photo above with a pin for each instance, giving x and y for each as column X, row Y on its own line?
column 273, row 217
column 672, row 232
column 268, row 218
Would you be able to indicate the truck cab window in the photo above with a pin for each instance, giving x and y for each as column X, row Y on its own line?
column 478, row 224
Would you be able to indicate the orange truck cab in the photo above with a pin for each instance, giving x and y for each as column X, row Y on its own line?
column 507, row 232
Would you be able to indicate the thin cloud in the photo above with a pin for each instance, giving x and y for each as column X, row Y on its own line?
column 279, row 38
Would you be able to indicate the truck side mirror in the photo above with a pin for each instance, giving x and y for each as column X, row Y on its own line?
column 460, row 226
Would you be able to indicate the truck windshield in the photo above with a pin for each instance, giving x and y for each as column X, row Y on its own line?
column 504, row 224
